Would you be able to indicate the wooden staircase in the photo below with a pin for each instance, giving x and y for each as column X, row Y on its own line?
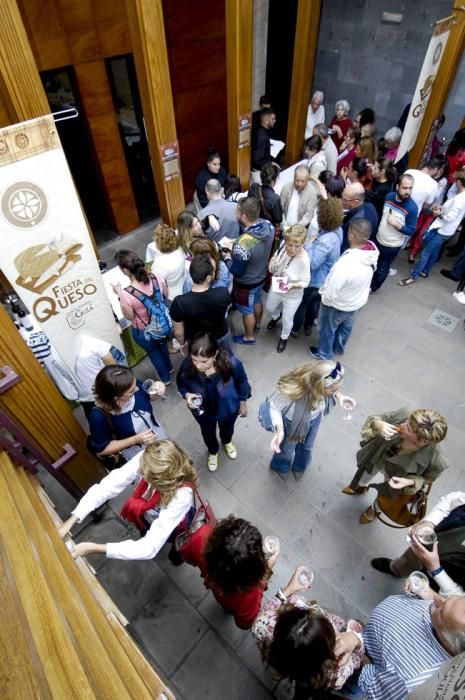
column 61, row 635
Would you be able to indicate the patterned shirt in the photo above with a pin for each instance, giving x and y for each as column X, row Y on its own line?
column 404, row 652
column 263, row 630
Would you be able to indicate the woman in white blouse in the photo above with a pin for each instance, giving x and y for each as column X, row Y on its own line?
column 290, row 269
column 303, row 395
column 162, row 498
column 167, row 258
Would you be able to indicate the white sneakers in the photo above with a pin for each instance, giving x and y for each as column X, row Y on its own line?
column 212, row 462
column 460, row 296
column 230, row 450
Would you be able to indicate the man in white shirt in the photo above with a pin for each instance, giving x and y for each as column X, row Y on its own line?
column 298, row 198
column 345, row 291
column 448, row 521
column 329, row 147
column 448, row 217
column 93, row 355
column 316, row 113
column 425, row 187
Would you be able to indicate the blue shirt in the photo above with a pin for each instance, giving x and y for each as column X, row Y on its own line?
column 323, row 253
column 400, row 642
column 105, row 427
column 220, row 400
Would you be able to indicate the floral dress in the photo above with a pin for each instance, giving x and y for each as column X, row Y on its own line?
column 263, row 631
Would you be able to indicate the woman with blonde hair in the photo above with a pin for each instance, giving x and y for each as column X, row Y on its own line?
column 366, row 148
column 402, row 446
column 161, row 501
column 303, row 395
column 188, row 228
column 167, row 258
column 290, row 269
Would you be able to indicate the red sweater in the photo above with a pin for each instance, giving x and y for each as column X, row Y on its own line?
column 244, row 606
column 344, row 126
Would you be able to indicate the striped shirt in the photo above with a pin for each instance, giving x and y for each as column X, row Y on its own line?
column 404, row 652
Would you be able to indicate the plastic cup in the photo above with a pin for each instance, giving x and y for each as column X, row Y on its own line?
column 416, row 583
column 427, row 537
column 306, row 578
column 271, row 545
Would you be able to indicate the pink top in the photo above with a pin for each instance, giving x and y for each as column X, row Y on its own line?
column 141, row 316
column 263, row 630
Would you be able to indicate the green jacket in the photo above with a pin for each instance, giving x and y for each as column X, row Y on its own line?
column 422, row 466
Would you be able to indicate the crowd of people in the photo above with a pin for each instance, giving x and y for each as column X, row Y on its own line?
column 317, row 248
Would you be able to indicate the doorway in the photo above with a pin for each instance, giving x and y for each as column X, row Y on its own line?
column 125, row 93
column 62, row 92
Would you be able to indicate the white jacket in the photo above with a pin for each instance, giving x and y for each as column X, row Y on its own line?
column 347, row 285
column 447, row 587
column 170, row 516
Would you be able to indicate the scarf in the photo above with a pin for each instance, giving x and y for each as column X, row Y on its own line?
column 302, row 417
column 136, row 505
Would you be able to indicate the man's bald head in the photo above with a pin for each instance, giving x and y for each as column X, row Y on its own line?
column 353, row 195
column 301, row 175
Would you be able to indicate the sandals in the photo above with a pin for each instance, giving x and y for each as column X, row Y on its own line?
column 406, row 282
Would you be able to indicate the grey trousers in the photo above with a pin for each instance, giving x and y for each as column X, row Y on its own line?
column 405, row 564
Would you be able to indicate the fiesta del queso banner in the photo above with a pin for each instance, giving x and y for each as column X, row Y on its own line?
column 47, row 254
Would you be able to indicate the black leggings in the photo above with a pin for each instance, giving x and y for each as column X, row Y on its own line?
column 208, row 428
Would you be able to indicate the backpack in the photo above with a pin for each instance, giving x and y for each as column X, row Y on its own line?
column 160, row 325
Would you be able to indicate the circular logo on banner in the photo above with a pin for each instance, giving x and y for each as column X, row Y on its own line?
column 24, row 204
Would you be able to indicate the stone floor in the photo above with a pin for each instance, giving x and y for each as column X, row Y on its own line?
column 395, row 357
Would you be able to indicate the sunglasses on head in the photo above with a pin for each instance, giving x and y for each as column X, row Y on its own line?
column 335, row 372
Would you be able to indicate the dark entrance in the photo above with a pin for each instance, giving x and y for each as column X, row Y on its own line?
column 63, row 94
column 126, row 100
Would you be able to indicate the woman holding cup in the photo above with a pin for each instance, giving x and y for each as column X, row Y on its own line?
column 303, row 396
column 290, row 269
column 122, row 421
column 305, row 643
column 404, row 448
column 235, row 565
column 215, row 387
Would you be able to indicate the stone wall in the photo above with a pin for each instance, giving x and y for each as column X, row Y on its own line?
column 376, row 64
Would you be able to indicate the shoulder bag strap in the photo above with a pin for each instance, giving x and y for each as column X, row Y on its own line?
column 196, row 494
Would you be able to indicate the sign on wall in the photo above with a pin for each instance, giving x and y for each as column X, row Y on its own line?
column 47, row 254
column 424, row 86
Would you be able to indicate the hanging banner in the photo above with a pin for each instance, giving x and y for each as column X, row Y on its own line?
column 425, row 83
column 47, row 254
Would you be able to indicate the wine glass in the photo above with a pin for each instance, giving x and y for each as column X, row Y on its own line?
column 271, row 545
column 149, row 386
column 349, row 407
column 306, row 577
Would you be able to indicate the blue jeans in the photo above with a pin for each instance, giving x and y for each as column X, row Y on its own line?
column 335, row 328
column 299, row 454
column 386, row 257
column 157, row 350
column 308, row 309
column 429, row 255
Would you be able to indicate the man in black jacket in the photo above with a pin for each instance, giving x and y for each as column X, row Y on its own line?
column 261, row 142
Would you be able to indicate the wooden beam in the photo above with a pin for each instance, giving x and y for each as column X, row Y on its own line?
column 38, row 408
column 20, row 85
column 305, row 45
column 445, row 77
column 239, row 55
column 151, row 58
